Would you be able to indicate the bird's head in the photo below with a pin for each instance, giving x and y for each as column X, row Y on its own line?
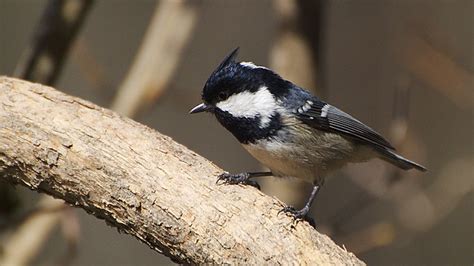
column 242, row 95
column 241, row 89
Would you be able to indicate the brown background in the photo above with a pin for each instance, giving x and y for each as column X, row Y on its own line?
column 362, row 46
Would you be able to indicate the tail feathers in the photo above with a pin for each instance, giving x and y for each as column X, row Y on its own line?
column 399, row 161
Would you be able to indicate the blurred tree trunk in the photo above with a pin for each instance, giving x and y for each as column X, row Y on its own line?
column 145, row 184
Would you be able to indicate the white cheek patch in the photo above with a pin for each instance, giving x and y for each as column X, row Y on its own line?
column 250, row 105
column 251, row 65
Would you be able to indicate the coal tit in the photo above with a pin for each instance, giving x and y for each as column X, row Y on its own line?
column 290, row 131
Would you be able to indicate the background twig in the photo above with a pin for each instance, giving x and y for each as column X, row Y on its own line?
column 167, row 36
column 53, row 36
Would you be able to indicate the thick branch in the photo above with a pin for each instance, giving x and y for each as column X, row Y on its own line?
column 145, row 184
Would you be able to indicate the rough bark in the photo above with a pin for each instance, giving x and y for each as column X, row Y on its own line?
column 145, row 184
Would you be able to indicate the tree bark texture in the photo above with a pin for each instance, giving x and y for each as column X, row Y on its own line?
column 145, row 184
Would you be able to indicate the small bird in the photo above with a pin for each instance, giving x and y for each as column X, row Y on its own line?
column 290, row 131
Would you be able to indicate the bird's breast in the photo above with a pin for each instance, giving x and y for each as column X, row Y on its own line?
column 309, row 155
column 281, row 159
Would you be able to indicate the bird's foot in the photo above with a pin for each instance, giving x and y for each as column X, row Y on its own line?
column 233, row 179
column 298, row 215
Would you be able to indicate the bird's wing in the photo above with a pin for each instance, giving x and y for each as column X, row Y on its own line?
column 323, row 116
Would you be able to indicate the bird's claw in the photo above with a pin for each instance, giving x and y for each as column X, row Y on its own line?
column 291, row 211
column 233, row 179
column 298, row 215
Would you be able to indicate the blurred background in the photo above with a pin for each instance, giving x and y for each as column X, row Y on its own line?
column 406, row 68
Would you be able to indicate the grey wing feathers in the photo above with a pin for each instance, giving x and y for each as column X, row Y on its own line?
column 343, row 122
column 327, row 117
column 323, row 116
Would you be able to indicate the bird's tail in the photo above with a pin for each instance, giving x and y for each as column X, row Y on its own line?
column 397, row 160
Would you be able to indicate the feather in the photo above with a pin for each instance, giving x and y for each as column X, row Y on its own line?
column 228, row 59
column 326, row 117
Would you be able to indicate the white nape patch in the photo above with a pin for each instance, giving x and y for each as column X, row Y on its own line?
column 324, row 110
column 251, row 65
column 251, row 104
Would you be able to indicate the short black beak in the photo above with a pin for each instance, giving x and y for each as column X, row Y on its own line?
column 200, row 108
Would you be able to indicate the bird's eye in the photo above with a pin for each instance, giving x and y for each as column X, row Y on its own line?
column 222, row 95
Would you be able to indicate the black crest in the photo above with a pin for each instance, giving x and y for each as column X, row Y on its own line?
column 230, row 78
column 223, row 78
column 230, row 58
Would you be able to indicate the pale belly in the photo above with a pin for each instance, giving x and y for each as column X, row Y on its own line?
column 310, row 159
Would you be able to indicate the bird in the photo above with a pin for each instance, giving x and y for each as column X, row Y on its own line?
column 287, row 129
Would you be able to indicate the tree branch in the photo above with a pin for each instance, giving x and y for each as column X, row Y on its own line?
column 145, row 184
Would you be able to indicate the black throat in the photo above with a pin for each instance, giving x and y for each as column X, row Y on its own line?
column 248, row 130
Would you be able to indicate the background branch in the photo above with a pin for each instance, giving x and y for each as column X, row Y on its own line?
column 145, row 184
column 53, row 36
column 167, row 36
column 25, row 243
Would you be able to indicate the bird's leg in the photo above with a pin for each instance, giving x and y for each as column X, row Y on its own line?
column 302, row 214
column 242, row 178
